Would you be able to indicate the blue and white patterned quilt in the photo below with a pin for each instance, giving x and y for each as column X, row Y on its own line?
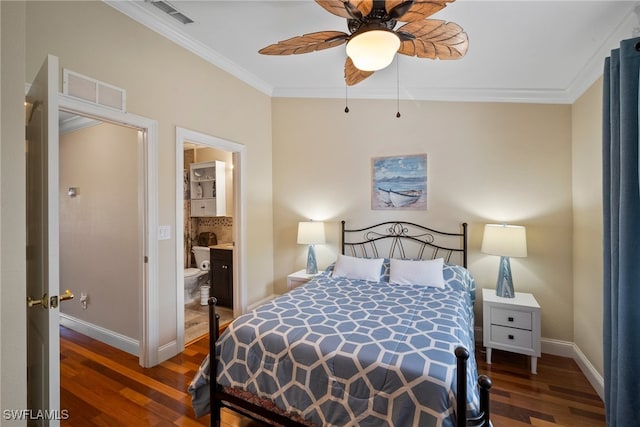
column 342, row 352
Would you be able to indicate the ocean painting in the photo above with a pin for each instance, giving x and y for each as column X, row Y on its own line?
column 399, row 182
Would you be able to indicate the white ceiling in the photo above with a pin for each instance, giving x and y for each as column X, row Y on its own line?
column 519, row 51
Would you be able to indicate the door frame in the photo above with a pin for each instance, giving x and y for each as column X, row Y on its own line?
column 238, row 151
column 148, row 178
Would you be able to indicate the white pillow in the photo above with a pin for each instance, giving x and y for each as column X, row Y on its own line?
column 358, row 268
column 423, row 272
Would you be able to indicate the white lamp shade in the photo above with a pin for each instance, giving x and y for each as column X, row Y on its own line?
column 311, row 232
column 373, row 50
column 504, row 240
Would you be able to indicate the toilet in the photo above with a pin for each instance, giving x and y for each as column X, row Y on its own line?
column 194, row 278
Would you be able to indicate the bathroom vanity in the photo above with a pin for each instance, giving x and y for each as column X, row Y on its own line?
column 221, row 274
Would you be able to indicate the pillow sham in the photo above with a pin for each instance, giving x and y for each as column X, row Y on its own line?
column 423, row 272
column 358, row 268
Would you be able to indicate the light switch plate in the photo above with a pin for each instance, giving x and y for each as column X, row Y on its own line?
column 164, row 232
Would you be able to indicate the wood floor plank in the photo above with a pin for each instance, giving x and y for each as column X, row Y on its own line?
column 556, row 396
column 102, row 386
column 137, row 376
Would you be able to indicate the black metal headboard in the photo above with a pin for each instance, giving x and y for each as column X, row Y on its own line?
column 400, row 239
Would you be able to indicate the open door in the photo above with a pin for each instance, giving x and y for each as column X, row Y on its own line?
column 43, row 339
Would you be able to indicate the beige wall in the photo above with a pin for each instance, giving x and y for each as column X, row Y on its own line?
column 13, row 325
column 100, row 228
column 171, row 85
column 587, row 220
column 486, row 163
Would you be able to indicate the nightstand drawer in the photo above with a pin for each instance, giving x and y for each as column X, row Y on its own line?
column 511, row 318
column 511, row 336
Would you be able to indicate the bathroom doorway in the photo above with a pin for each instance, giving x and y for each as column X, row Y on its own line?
column 206, row 164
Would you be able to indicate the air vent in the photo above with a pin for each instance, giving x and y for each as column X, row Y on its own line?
column 170, row 10
column 92, row 90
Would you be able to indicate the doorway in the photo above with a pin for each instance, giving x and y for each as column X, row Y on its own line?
column 230, row 227
column 102, row 225
column 143, row 266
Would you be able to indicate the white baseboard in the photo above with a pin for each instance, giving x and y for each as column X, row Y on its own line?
column 99, row 333
column 569, row 349
column 595, row 379
column 566, row 349
column 557, row 347
column 167, row 351
column 260, row 302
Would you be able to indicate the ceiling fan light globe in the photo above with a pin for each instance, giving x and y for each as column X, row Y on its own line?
column 373, row 50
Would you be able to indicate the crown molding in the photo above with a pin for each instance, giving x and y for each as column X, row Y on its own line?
column 543, row 96
column 588, row 74
column 594, row 67
column 138, row 12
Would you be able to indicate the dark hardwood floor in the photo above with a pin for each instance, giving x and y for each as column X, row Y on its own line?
column 559, row 395
column 103, row 386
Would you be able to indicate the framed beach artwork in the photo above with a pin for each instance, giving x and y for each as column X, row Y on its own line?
column 399, row 182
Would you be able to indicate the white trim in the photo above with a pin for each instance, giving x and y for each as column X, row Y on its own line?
column 543, row 96
column 594, row 67
column 571, row 350
column 595, row 379
column 179, row 233
column 566, row 349
column 149, row 327
column 262, row 301
column 75, row 123
column 592, row 70
column 107, row 336
column 168, row 350
column 184, row 135
column 557, row 347
column 139, row 12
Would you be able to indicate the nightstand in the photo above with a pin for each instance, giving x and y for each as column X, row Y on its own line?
column 299, row 278
column 511, row 324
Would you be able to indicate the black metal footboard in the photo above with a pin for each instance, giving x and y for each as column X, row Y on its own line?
column 220, row 399
column 483, row 417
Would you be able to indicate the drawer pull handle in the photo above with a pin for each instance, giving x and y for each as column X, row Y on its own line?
column 510, row 319
column 510, row 336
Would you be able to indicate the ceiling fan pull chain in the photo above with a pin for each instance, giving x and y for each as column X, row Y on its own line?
column 398, row 85
column 346, row 98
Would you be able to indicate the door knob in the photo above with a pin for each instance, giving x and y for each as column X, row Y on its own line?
column 44, row 302
column 66, row 296
column 47, row 302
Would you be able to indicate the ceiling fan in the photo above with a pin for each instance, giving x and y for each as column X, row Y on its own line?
column 373, row 41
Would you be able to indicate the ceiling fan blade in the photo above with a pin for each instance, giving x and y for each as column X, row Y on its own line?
column 352, row 74
column 306, row 43
column 434, row 39
column 419, row 10
column 349, row 9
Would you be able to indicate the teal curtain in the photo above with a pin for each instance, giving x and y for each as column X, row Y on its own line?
column 621, row 204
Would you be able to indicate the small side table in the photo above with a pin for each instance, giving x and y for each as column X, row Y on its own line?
column 511, row 324
column 299, row 278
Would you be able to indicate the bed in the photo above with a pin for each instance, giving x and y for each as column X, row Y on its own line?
column 383, row 337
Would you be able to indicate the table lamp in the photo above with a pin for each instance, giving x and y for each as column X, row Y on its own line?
column 311, row 233
column 505, row 241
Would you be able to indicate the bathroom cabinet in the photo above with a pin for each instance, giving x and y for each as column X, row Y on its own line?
column 207, row 189
column 222, row 276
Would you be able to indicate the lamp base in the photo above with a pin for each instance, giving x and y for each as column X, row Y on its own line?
column 504, row 287
column 312, row 265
